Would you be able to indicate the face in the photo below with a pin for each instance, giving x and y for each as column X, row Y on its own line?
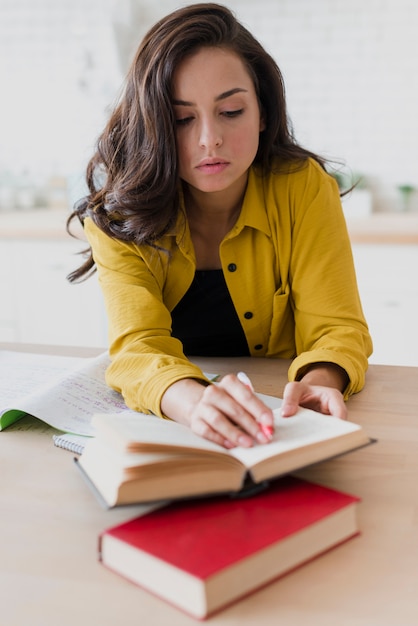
column 218, row 120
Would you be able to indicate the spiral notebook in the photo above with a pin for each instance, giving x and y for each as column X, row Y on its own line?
column 72, row 443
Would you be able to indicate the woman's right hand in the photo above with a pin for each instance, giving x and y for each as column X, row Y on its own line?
column 228, row 413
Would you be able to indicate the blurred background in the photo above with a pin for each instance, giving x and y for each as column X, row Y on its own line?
column 350, row 70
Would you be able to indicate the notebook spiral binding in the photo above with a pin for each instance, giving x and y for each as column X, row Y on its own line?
column 72, row 443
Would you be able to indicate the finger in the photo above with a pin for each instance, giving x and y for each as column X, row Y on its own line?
column 246, row 397
column 337, row 406
column 230, row 418
column 200, row 427
column 292, row 395
column 211, row 423
column 327, row 400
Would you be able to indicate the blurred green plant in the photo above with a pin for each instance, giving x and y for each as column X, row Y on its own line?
column 347, row 181
column 406, row 192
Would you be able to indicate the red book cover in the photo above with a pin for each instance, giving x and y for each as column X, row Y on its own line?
column 202, row 554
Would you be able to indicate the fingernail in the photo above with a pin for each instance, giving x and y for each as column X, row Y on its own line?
column 261, row 437
column 267, row 431
column 244, row 441
column 265, row 418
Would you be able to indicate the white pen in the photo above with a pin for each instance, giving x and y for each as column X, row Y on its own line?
column 242, row 376
column 266, row 430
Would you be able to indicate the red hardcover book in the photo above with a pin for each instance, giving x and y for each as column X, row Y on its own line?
column 203, row 554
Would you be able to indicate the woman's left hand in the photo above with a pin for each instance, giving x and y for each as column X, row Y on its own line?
column 326, row 400
column 319, row 389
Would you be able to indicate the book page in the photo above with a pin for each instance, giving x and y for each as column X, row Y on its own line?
column 140, row 432
column 22, row 372
column 305, row 428
column 148, row 433
column 62, row 391
column 27, row 423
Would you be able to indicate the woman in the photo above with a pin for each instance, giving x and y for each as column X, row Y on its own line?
column 215, row 233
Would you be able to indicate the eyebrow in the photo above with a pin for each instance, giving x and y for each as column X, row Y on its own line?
column 222, row 96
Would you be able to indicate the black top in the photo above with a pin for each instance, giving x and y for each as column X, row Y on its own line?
column 205, row 319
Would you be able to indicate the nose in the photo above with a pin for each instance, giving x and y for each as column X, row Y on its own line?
column 210, row 134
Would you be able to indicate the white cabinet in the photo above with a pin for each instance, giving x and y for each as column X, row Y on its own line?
column 38, row 304
column 388, row 284
column 8, row 312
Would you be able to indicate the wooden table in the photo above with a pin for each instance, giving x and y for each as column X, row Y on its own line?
column 49, row 523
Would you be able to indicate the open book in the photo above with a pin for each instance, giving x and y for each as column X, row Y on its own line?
column 62, row 391
column 142, row 458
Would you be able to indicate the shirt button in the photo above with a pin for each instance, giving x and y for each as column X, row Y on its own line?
column 248, row 315
column 258, row 346
column 232, row 267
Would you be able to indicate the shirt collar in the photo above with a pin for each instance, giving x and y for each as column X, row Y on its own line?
column 254, row 210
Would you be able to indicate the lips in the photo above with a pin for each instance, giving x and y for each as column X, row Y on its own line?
column 212, row 161
column 212, row 165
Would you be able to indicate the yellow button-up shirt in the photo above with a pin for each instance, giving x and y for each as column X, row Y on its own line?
column 287, row 261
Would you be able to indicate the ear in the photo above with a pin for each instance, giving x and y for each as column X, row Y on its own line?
column 262, row 123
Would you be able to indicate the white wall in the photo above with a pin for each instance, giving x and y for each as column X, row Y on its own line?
column 350, row 69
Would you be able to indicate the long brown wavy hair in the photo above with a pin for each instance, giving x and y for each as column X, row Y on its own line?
column 133, row 176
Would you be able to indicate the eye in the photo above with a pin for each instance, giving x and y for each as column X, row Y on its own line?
column 234, row 113
column 183, row 121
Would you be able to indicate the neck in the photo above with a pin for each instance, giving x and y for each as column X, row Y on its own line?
column 211, row 216
column 215, row 211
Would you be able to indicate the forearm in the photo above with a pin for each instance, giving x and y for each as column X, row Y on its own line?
column 180, row 399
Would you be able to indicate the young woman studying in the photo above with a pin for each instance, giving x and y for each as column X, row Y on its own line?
column 215, row 233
